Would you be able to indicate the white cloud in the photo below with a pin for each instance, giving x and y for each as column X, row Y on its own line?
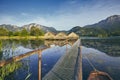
column 24, row 14
column 69, row 14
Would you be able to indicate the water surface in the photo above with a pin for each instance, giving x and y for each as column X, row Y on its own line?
column 104, row 54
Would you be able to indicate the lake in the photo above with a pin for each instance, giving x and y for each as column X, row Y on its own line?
column 104, row 54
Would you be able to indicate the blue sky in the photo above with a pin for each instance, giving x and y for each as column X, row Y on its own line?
column 61, row 14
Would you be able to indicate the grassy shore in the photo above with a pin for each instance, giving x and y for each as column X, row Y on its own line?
column 21, row 37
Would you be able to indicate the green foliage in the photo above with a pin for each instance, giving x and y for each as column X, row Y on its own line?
column 1, row 45
column 115, row 33
column 24, row 32
column 16, row 33
column 94, row 32
column 7, row 69
column 36, row 31
column 10, row 33
column 3, row 32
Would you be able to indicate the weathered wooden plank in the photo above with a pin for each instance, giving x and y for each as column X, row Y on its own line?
column 39, row 65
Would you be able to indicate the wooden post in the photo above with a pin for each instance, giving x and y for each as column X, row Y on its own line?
column 39, row 65
column 80, row 65
column 66, row 45
column 66, row 48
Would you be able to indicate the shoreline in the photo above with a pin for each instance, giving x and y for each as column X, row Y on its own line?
column 21, row 37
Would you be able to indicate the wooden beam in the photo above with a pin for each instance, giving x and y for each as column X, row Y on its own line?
column 39, row 65
column 80, row 66
column 19, row 57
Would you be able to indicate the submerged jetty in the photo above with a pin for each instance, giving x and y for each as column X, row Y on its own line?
column 65, row 68
column 69, row 67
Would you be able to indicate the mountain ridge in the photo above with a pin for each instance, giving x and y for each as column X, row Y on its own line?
column 109, row 22
column 28, row 27
column 110, row 25
column 107, row 27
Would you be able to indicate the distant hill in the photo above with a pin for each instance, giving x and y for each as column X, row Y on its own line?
column 9, row 27
column 111, row 23
column 44, row 28
column 108, row 27
column 28, row 27
column 75, row 29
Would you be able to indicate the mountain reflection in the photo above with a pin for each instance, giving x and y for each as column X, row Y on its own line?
column 110, row 46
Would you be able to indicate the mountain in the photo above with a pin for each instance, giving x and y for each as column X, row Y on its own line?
column 9, row 27
column 75, row 29
column 44, row 28
column 28, row 27
column 107, row 27
column 111, row 23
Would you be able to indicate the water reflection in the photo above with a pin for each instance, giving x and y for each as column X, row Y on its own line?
column 101, row 61
column 8, row 71
column 109, row 46
column 17, row 70
column 28, row 67
column 11, row 48
column 51, row 56
column 59, row 42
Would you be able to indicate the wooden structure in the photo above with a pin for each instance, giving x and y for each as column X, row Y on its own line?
column 72, row 36
column 61, row 36
column 69, row 67
column 98, row 75
column 66, row 68
column 49, row 36
column 19, row 57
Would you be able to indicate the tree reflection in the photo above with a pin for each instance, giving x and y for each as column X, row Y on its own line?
column 36, row 43
column 109, row 46
column 9, row 48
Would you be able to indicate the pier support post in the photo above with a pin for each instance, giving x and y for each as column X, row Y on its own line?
column 39, row 65
column 80, row 66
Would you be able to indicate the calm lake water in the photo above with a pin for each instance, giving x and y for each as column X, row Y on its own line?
column 104, row 54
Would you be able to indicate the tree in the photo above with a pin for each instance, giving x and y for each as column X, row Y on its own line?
column 24, row 32
column 16, row 33
column 34, row 31
column 3, row 32
column 10, row 33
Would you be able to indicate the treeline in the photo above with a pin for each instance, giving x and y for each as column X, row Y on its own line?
column 95, row 31
column 34, row 31
column 99, row 32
